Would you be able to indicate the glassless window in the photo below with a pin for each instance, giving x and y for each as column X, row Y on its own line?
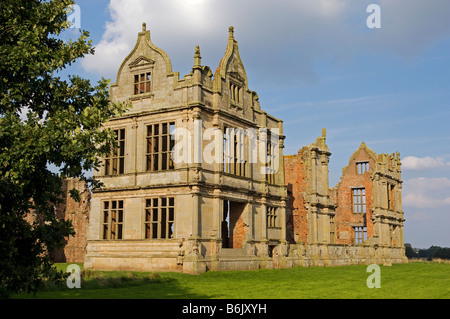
column 362, row 167
column 113, row 219
column 142, row 83
column 359, row 200
column 234, row 151
column 115, row 162
column 160, row 143
column 360, row 234
column 159, row 217
column 272, row 217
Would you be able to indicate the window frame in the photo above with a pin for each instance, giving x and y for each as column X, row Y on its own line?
column 360, row 233
column 142, row 83
column 159, row 218
column 360, row 205
column 113, row 218
column 235, row 155
column 115, row 161
column 270, row 159
column 272, row 219
column 160, row 158
column 362, row 167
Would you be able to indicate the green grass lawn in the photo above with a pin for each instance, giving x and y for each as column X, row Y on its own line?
column 405, row 281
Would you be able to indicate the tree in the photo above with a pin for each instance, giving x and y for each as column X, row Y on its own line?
column 409, row 251
column 44, row 120
column 443, row 253
column 429, row 253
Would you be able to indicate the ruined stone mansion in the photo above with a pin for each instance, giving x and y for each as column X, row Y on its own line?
column 199, row 182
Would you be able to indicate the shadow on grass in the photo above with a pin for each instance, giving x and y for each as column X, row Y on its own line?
column 113, row 285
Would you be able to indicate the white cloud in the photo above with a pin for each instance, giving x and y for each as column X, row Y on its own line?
column 294, row 34
column 181, row 24
column 423, row 163
column 427, row 193
column 426, row 203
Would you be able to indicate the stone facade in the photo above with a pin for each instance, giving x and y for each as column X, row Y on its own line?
column 188, row 212
column 199, row 181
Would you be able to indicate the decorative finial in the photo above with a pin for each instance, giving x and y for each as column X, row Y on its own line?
column 324, row 132
column 144, row 26
column 231, row 31
column 197, row 57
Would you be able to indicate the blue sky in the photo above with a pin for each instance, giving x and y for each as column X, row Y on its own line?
column 316, row 64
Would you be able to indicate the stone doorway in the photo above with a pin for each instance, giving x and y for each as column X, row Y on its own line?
column 233, row 226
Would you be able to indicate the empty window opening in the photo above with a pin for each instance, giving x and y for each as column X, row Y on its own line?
column 359, row 200
column 234, row 161
column 390, row 196
column 233, row 230
column 113, row 219
column 115, row 161
column 159, row 217
column 360, row 234
column 142, row 83
column 362, row 167
column 271, row 144
column 160, row 143
column 272, row 217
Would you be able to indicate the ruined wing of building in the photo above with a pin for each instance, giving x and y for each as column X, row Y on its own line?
column 199, row 181
column 360, row 220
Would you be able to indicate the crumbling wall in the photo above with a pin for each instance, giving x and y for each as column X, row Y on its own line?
column 353, row 179
column 296, row 182
column 78, row 212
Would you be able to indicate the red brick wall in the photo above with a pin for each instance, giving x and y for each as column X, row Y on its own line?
column 75, row 249
column 342, row 195
column 295, row 179
column 237, row 226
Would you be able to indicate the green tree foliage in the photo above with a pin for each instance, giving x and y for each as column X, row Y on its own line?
column 409, row 251
column 429, row 253
column 44, row 120
column 443, row 253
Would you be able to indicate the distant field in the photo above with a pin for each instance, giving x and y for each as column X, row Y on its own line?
column 405, row 281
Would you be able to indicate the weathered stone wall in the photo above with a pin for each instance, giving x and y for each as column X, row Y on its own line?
column 342, row 255
column 78, row 213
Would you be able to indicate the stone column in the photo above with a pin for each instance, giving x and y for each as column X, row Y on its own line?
column 283, row 222
column 264, row 241
column 313, row 181
column 249, row 221
column 264, row 219
column 195, row 212
column 217, row 213
column 312, row 233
